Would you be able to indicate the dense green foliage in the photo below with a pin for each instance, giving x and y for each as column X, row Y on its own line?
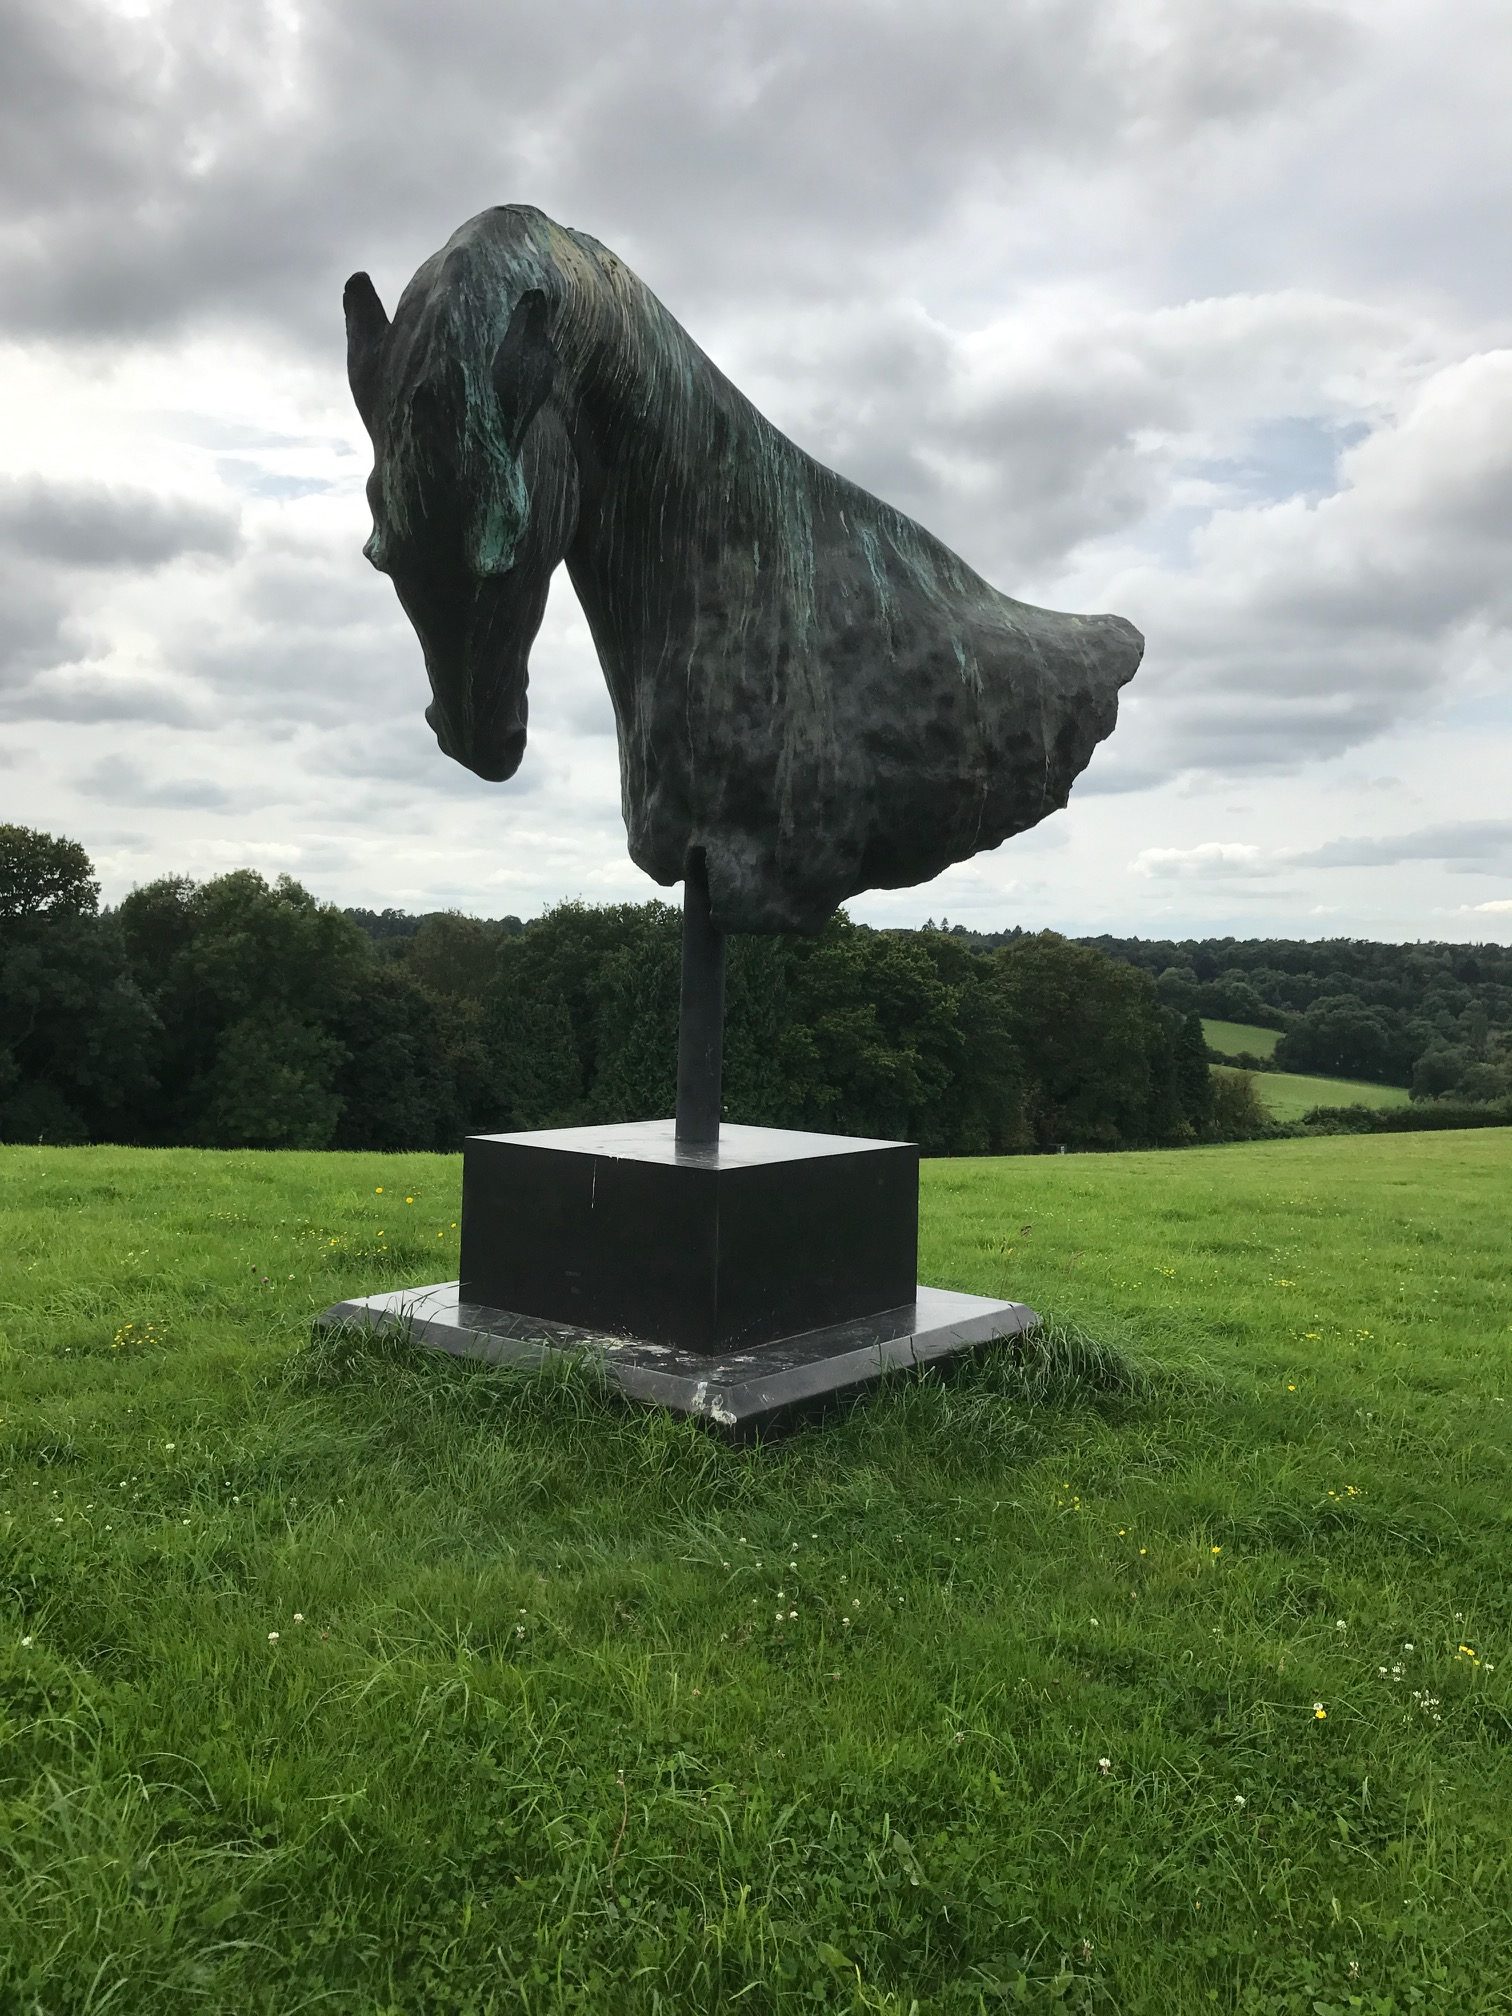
column 242, row 1014
column 349, row 1679
column 1434, row 1017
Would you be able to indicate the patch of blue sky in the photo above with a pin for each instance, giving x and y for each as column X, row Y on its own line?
column 1478, row 711
column 252, row 479
column 1289, row 456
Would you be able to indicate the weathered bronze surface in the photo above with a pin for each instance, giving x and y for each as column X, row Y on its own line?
column 808, row 686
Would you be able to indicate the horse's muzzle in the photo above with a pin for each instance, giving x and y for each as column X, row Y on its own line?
column 495, row 763
column 497, row 766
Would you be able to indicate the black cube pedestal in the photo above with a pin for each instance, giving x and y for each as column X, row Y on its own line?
column 760, row 1235
column 744, row 1283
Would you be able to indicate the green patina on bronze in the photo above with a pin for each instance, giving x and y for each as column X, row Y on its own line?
column 807, row 684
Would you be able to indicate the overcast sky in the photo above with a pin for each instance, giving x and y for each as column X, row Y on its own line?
column 1196, row 312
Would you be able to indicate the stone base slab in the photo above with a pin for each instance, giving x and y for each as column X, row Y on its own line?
column 742, row 1393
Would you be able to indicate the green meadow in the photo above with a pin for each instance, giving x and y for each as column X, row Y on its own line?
column 1165, row 1669
column 1238, row 1039
column 1287, row 1095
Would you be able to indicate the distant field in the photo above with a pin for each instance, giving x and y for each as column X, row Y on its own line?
column 344, row 1678
column 1287, row 1095
column 1237, row 1039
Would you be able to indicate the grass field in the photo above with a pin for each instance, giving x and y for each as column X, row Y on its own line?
column 338, row 1680
column 1287, row 1095
column 1238, row 1039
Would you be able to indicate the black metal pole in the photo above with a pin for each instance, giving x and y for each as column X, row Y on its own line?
column 700, row 1021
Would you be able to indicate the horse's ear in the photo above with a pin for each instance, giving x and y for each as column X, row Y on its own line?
column 524, row 366
column 367, row 325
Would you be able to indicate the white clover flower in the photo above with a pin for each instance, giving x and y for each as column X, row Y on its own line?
column 27, row 1642
column 1104, row 1766
column 1240, row 1800
column 272, row 1637
column 299, row 1616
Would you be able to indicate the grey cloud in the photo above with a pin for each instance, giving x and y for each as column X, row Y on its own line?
column 300, row 637
column 90, row 693
column 94, row 525
column 36, row 626
column 400, row 759
column 1107, row 777
column 117, row 780
column 1236, row 733
column 1469, row 840
column 248, row 174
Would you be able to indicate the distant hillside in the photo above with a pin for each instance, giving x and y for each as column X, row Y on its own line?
column 1430, row 1017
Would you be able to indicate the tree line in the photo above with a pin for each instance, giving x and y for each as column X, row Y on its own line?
column 242, row 1013
column 1436, row 1018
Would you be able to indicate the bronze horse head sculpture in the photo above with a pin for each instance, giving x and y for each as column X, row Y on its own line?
column 810, row 690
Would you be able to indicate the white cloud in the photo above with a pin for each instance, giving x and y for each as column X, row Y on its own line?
column 1212, row 858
